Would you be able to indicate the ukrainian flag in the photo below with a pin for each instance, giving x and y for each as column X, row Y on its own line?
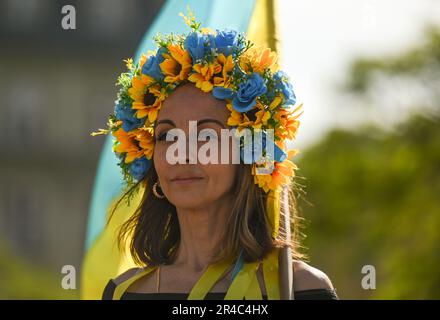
column 102, row 259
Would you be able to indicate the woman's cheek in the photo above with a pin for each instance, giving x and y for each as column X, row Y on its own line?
column 221, row 176
column 159, row 157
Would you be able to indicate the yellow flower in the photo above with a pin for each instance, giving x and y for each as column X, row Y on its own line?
column 281, row 175
column 147, row 97
column 176, row 65
column 203, row 75
column 227, row 65
column 126, row 143
column 145, row 138
column 135, row 143
column 241, row 120
column 137, row 89
column 275, row 103
column 257, row 59
column 147, row 111
column 207, row 30
column 142, row 61
column 150, row 104
column 288, row 123
column 261, row 116
column 129, row 63
column 237, row 119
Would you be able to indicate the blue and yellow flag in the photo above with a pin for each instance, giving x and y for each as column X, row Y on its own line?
column 103, row 260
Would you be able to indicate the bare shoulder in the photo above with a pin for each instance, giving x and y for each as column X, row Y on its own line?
column 126, row 275
column 307, row 277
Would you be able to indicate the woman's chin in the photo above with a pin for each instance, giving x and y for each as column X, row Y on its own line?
column 187, row 204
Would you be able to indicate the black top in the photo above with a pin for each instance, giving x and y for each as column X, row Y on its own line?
column 312, row 294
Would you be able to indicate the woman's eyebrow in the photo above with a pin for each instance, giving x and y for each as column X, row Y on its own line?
column 170, row 122
column 200, row 122
column 211, row 120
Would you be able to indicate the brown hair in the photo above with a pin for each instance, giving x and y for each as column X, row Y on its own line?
column 154, row 233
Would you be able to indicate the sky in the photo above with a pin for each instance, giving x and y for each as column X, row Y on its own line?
column 320, row 38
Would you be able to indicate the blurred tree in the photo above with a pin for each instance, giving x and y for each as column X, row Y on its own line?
column 373, row 195
column 413, row 63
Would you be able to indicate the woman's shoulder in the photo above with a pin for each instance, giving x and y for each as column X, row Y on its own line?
column 307, row 277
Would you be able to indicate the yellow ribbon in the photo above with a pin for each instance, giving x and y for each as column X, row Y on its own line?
column 207, row 280
column 271, row 275
column 245, row 284
column 123, row 286
column 273, row 210
column 271, row 279
column 242, row 281
column 198, row 292
column 254, row 290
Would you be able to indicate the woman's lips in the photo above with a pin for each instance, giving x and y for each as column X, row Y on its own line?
column 185, row 181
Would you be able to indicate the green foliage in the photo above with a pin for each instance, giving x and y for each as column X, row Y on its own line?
column 375, row 195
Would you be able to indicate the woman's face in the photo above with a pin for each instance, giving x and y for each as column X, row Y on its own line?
column 210, row 183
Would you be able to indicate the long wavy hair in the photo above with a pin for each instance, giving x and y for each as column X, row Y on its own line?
column 153, row 231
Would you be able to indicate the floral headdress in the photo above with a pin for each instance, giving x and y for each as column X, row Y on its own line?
column 257, row 94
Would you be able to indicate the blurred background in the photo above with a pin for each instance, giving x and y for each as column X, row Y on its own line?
column 368, row 73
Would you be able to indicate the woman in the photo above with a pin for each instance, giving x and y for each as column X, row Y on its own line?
column 207, row 229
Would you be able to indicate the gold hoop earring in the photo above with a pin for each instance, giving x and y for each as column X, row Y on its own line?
column 160, row 196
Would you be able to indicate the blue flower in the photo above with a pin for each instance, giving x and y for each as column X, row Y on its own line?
column 278, row 154
column 139, row 167
column 246, row 96
column 159, row 54
column 260, row 143
column 226, row 41
column 248, row 91
column 282, row 83
column 151, row 67
column 222, row 93
column 125, row 113
column 195, row 45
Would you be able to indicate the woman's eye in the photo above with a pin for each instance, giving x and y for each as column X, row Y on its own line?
column 160, row 137
column 208, row 135
column 166, row 136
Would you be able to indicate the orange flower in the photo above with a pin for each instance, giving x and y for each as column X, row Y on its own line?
column 257, row 59
column 288, row 123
